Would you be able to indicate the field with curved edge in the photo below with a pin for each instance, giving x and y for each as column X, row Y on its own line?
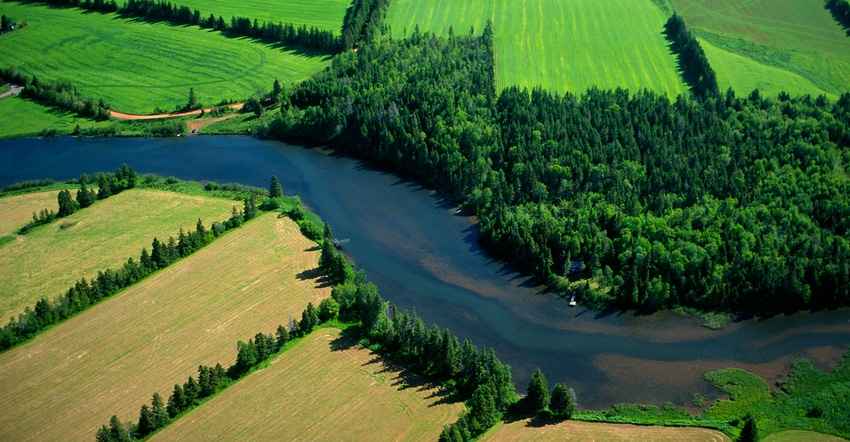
column 321, row 14
column 325, row 388
column 527, row 430
column 562, row 46
column 136, row 66
column 49, row 259
column 110, row 359
column 800, row 436
column 799, row 37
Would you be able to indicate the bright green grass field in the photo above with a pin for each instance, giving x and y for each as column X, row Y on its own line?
column 321, row 14
column 137, row 66
column 20, row 118
column 799, row 37
column 560, row 45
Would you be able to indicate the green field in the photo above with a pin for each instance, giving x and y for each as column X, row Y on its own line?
column 798, row 37
column 562, row 46
column 137, row 66
column 111, row 358
column 525, row 430
column 20, row 118
column 321, row 14
column 325, row 388
column 49, row 259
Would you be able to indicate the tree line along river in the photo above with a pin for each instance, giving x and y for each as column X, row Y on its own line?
column 424, row 256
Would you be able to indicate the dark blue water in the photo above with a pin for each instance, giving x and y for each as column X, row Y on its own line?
column 423, row 256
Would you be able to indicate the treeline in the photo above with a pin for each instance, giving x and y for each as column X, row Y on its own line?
column 714, row 202
column 108, row 184
column 840, row 10
column 60, row 93
column 287, row 34
column 696, row 71
column 28, row 184
column 363, row 19
column 84, row 294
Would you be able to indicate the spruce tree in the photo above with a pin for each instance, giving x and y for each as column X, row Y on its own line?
column 538, row 392
column 275, row 190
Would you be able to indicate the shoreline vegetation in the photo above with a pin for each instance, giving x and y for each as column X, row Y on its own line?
column 355, row 306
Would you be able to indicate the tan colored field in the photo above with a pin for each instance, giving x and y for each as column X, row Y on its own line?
column 48, row 260
column 526, row 430
column 16, row 211
column 800, row 436
column 326, row 388
column 110, row 359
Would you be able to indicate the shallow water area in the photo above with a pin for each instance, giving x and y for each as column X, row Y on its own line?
column 424, row 256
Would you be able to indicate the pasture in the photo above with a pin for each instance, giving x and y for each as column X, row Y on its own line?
column 562, row 46
column 527, row 430
column 799, row 37
column 325, row 388
column 19, row 118
column 801, row 436
column 111, row 358
column 321, row 14
column 49, row 259
column 137, row 66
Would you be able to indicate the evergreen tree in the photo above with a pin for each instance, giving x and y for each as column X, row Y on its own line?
column 145, row 425
column 482, row 408
column 562, row 403
column 282, row 336
column 275, row 190
column 159, row 412
column 67, row 205
column 176, row 402
column 538, row 392
column 750, row 432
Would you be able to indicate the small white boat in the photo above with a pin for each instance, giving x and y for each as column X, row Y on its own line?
column 573, row 300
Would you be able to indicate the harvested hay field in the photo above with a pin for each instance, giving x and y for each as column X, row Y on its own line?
column 325, row 388
column 49, row 259
column 527, row 429
column 800, row 436
column 111, row 358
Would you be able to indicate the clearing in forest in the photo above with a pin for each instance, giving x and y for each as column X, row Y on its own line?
column 49, row 259
column 566, row 431
column 562, row 46
column 790, row 45
column 110, row 359
column 325, row 388
column 137, row 66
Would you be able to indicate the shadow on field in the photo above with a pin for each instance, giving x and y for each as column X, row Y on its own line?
column 322, row 280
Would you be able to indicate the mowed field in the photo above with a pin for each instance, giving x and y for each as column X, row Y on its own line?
column 136, row 66
column 19, row 117
column 48, row 260
column 110, row 359
column 326, row 388
column 800, row 436
column 562, row 46
column 526, row 430
column 799, row 37
column 321, row 14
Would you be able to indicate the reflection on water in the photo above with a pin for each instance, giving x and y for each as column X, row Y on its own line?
column 423, row 256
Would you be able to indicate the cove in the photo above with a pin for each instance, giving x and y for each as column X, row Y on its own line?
column 425, row 257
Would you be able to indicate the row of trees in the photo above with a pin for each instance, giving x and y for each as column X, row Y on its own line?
column 712, row 202
column 83, row 294
column 363, row 19
column 696, row 71
column 60, row 93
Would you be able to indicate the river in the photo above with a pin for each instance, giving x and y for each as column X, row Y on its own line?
column 425, row 257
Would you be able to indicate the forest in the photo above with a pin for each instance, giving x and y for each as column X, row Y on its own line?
column 711, row 201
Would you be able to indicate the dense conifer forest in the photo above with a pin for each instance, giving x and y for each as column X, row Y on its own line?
column 629, row 199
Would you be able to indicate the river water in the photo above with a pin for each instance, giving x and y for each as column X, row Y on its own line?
column 423, row 256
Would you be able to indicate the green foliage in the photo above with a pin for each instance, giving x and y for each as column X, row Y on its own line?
column 275, row 189
column 562, row 403
column 537, row 399
column 328, row 309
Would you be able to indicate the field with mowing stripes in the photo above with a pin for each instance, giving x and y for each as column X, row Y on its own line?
column 49, row 259
column 19, row 117
column 526, row 430
column 325, row 388
column 798, row 37
column 137, row 66
column 321, row 14
column 110, row 359
column 562, row 46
